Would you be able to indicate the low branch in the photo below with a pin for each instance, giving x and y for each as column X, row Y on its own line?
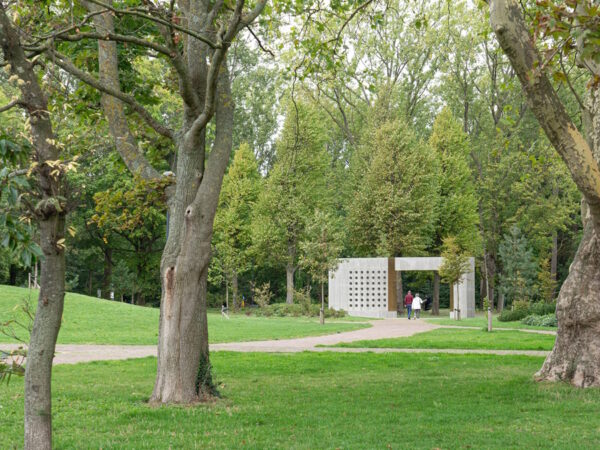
column 260, row 44
column 63, row 62
column 17, row 102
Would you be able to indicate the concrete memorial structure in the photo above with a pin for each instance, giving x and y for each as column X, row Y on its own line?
column 366, row 287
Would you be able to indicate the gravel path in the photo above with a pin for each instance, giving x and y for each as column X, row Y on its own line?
column 387, row 328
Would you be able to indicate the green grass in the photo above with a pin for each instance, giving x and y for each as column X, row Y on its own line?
column 320, row 401
column 463, row 339
column 480, row 321
column 88, row 320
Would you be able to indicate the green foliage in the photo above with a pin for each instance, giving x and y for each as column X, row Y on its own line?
column 455, row 263
column 294, row 189
column 547, row 320
column 519, row 267
column 297, row 310
column 546, row 284
column 509, row 315
column 457, row 208
column 262, row 295
column 394, row 209
column 239, row 193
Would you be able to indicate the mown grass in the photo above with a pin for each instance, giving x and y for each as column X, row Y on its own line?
column 480, row 321
column 88, row 320
column 309, row 401
column 458, row 338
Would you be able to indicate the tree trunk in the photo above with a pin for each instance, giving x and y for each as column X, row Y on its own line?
column 451, row 298
column 575, row 357
column 289, row 287
column 576, row 354
column 184, row 370
column 234, row 289
column 50, row 213
column 500, row 302
column 435, row 309
column 107, row 275
column 322, row 312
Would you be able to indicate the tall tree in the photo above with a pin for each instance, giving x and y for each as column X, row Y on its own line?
column 457, row 213
column 50, row 212
column 193, row 37
column 576, row 354
column 233, row 238
column 295, row 188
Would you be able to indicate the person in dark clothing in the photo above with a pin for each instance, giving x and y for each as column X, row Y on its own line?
column 408, row 303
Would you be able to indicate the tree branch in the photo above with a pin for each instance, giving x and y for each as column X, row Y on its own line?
column 137, row 13
column 117, row 37
column 63, row 62
column 17, row 102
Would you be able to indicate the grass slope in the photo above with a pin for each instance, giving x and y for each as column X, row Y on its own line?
column 302, row 401
column 88, row 320
column 463, row 339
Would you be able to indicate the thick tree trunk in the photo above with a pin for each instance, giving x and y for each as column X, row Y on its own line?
column 500, row 302
column 399, row 292
column 183, row 373
column 435, row 309
column 576, row 354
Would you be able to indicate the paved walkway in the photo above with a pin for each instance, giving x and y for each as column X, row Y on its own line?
column 387, row 328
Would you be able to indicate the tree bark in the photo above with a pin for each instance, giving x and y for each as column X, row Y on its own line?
column 399, row 292
column 435, row 309
column 234, row 289
column 575, row 357
column 500, row 302
column 554, row 257
column 50, row 213
column 289, row 287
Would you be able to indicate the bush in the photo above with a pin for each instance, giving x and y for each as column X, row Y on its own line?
column 522, row 309
column 295, row 310
column 513, row 315
column 547, row 320
column 542, row 308
column 262, row 295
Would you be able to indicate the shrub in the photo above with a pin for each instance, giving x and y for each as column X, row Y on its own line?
column 542, row 308
column 520, row 305
column 547, row 320
column 303, row 299
column 509, row 315
column 295, row 310
column 262, row 295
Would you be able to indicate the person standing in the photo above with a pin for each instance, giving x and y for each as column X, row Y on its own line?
column 416, row 305
column 408, row 301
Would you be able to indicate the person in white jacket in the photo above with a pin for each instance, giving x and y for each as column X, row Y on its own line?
column 416, row 305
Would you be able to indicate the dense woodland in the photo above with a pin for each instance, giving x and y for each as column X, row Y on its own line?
column 412, row 129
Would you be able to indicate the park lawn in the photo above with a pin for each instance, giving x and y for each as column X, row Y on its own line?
column 481, row 321
column 457, row 338
column 89, row 320
column 320, row 400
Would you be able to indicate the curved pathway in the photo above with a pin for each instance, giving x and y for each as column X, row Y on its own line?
column 386, row 328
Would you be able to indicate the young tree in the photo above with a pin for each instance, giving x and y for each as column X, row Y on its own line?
column 320, row 251
column 233, row 238
column 575, row 357
column 517, row 280
column 295, row 188
column 453, row 268
column 457, row 210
